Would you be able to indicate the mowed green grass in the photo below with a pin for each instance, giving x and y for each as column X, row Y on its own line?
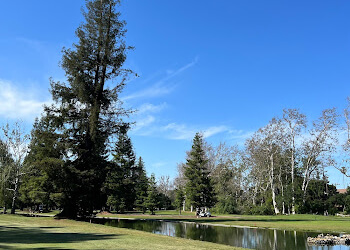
column 298, row 222
column 19, row 232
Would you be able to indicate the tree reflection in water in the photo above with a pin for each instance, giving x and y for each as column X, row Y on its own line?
column 235, row 236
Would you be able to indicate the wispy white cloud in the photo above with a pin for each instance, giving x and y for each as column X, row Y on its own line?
column 19, row 104
column 214, row 130
column 144, row 116
column 154, row 91
column 150, row 108
column 183, row 132
column 173, row 73
column 163, row 86
column 148, row 125
column 178, row 131
column 144, row 122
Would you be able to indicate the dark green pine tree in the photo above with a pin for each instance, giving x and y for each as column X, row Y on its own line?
column 152, row 201
column 41, row 184
column 199, row 187
column 120, row 182
column 141, row 185
column 87, row 110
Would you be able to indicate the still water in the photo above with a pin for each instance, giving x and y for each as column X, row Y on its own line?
column 235, row 236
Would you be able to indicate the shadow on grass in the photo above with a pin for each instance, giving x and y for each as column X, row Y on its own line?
column 37, row 248
column 19, row 235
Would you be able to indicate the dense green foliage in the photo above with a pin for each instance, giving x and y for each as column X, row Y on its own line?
column 199, row 188
column 141, row 186
column 121, row 176
column 69, row 153
column 87, row 112
column 43, row 183
column 279, row 171
column 152, row 199
column 71, row 140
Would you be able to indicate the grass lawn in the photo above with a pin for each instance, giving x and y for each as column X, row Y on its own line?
column 298, row 222
column 19, row 232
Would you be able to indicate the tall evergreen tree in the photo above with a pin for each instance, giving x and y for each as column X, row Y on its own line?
column 152, row 201
column 86, row 111
column 199, row 188
column 121, row 177
column 141, row 185
column 44, row 164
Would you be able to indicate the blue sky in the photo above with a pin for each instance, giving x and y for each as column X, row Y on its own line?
column 222, row 67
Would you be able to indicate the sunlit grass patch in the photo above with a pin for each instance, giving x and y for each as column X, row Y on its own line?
column 19, row 232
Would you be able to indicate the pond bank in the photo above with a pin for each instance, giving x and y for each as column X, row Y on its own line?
column 300, row 222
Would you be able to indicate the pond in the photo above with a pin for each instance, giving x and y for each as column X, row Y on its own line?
column 252, row 238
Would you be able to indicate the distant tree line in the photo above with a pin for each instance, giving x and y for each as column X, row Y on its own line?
column 280, row 170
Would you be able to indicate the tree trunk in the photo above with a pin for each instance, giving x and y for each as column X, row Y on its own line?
column 14, row 197
column 292, row 175
column 273, row 187
column 306, row 179
column 305, row 184
column 255, row 194
column 305, row 190
column 282, row 189
column 277, row 211
column 69, row 210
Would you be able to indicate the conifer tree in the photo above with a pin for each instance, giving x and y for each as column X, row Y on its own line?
column 121, row 177
column 141, row 185
column 199, row 188
column 87, row 110
column 44, row 164
column 152, row 195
